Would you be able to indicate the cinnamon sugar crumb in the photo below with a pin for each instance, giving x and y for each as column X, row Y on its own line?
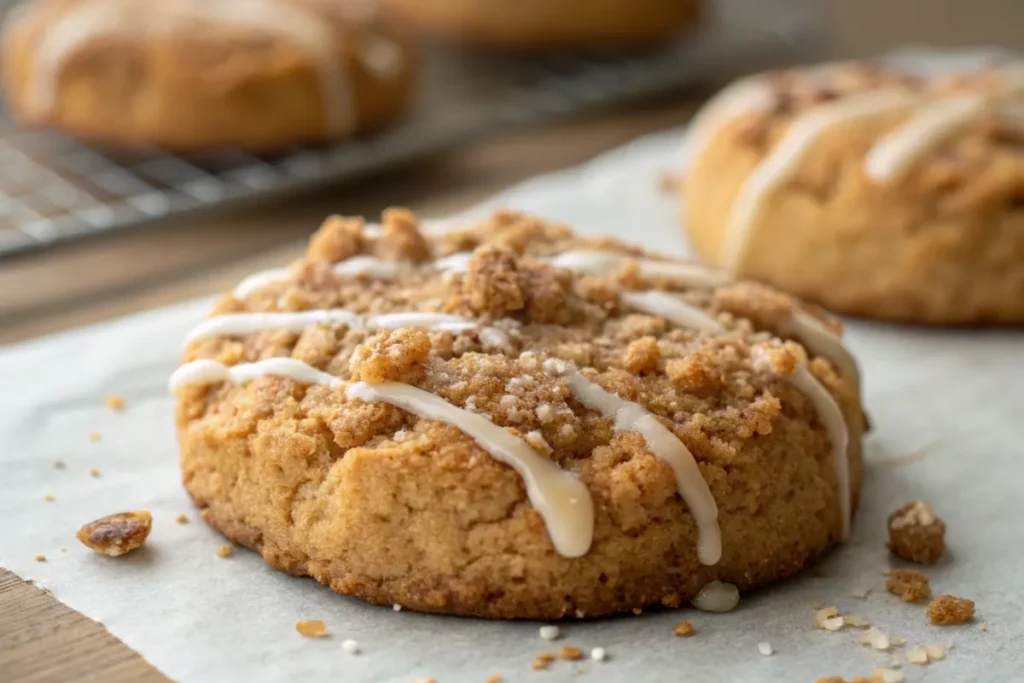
column 642, row 355
column 948, row 610
column 181, row 519
column 542, row 661
column 115, row 401
column 225, row 550
column 117, row 534
column 94, row 436
column 337, row 239
column 392, row 356
column 916, row 533
column 684, row 629
column 49, row 498
column 94, row 471
column 570, row 653
column 494, row 678
column 910, row 585
column 313, row 628
column 39, row 557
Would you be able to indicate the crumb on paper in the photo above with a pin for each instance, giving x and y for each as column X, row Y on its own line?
column 225, row 550
column 598, row 654
column 311, row 628
column 49, row 498
column 548, row 632
column 181, row 519
column 909, row 584
column 63, row 549
column 876, row 639
column 542, row 661
column 116, row 534
column 824, row 613
column 887, row 676
column 570, row 653
column 765, row 648
column 983, row 628
column 916, row 533
column 917, row 655
column 115, row 401
column 494, row 678
column 59, row 464
column 425, row 680
column 350, row 646
column 39, row 557
column 684, row 629
column 94, row 436
column 949, row 610
column 94, row 471
column 936, row 652
column 637, row 611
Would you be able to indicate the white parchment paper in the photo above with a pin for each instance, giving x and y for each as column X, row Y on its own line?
column 947, row 408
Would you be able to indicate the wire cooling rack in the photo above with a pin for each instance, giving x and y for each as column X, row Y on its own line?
column 54, row 189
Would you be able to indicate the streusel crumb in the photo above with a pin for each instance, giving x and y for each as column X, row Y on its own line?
column 909, row 584
column 570, row 653
column 916, row 533
column 337, row 239
column 542, row 661
column 117, row 534
column 115, row 401
column 642, row 355
column 181, row 519
column 948, row 610
column 494, row 678
column 313, row 628
column 39, row 557
column 684, row 629
column 401, row 239
column 225, row 550
column 392, row 356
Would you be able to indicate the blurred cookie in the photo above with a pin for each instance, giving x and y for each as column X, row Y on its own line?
column 513, row 421
column 869, row 191
column 186, row 75
column 525, row 24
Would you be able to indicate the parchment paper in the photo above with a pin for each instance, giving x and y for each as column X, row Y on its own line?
column 946, row 406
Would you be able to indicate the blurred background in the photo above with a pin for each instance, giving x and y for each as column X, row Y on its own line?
column 89, row 231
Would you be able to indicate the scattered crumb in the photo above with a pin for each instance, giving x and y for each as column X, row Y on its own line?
column 899, row 642
column 425, row 680
column 94, row 436
column 39, row 557
column 637, row 611
column 181, row 519
column 916, row 533
column 983, row 628
column 824, row 613
column 765, row 649
column 542, row 661
column 63, row 550
column 396, row 607
column 225, row 550
column 49, row 498
column 833, row 624
column 936, row 652
column 909, row 584
column 548, row 632
column 115, row 401
column 887, row 676
column 116, row 534
column 313, row 628
column 94, row 471
column 876, row 639
column 861, row 594
column 854, row 620
column 917, row 655
column 350, row 646
column 570, row 653
column 494, row 678
column 59, row 464
column 947, row 610
column 598, row 654
column 684, row 629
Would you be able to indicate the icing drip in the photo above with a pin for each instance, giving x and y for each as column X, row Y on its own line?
column 894, row 155
column 749, row 94
column 100, row 18
column 212, row 372
column 602, row 262
column 831, row 416
column 562, row 500
column 258, row 281
column 238, row 324
column 456, row 263
column 785, row 158
column 672, row 309
column 821, row 341
column 357, row 266
column 632, row 417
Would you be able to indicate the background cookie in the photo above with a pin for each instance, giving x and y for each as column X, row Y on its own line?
column 547, row 23
column 191, row 75
column 867, row 190
column 428, row 421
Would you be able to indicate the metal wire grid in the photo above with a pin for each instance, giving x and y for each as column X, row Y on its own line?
column 54, row 188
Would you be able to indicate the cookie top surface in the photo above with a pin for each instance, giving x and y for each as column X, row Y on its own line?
column 536, row 343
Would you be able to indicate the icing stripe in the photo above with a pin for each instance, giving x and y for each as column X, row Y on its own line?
column 212, row 372
column 894, row 154
column 238, row 324
column 100, row 18
column 749, row 94
column 562, row 500
column 602, row 262
column 671, row 308
column 785, row 158
column 665, row 445
column 821, row 341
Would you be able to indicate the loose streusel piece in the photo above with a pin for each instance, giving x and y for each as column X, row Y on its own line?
column 684, row 629
column 948, row 610
column 181, row 519
column 39, row 557
column 909, row 584
column 225, row 550
column 916, row 533
column 115, row 401
column 94, row 472
column 49, row 498
column 94, row 436
column 117, row 534
column 569, row 652
column 312, row 628
column 494, row 678
column 542, row 661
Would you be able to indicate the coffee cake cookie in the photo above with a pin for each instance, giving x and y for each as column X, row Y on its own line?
column 868, row 190
column 190, row 75
column 508, row 420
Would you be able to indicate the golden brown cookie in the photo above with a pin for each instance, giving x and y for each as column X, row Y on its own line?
column 870, row 191
column 528, row 24
column 192, row 75
column 511, row 421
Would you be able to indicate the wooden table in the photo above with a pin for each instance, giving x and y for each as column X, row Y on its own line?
column 41, row 640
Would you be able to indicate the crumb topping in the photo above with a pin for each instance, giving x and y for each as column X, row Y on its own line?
column 949, row 610
column 910, row 585
column 684, row 629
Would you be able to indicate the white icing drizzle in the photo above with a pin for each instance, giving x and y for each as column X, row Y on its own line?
column 357, row 266
column 633, row 417
column 258, row 281
column 562, row 500
column 212, row 372
column 895, row 153
column 456, row 263
column 831, row 416
column 98, row 18
column 749, row 94
column 238, row 324
column 785, row 158
column 821, row 341
column 672, row 309
column 602, row 262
